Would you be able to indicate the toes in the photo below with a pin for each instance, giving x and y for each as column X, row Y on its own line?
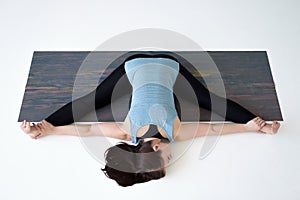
column 27, row 125
column 275, row 126
column 22, row 124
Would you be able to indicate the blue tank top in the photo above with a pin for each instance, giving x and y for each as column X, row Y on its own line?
column 152, row 101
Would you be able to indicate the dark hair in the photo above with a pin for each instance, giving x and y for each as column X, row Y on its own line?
column 130, row 164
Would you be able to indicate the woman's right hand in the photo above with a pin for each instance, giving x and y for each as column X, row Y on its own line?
column 44, row 128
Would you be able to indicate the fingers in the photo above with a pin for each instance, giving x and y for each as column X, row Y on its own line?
column 259, row 122
column 37, row 127
column 46, row 124
column 40, row 127
column 38, row 136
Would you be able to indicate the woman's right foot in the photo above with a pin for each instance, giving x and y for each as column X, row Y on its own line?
column 31, row 130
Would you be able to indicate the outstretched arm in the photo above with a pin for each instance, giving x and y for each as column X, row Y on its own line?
column 109, row 129
column 192, row 130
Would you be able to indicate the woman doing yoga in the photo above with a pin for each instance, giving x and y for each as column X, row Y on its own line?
column 153, row 120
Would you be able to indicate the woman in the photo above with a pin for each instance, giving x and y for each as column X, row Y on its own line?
column 153, row 120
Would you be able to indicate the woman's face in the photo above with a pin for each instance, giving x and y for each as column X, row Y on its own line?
column 165, row 152
column 163, row 147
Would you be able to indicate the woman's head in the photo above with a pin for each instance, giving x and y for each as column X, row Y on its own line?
column 131, row 164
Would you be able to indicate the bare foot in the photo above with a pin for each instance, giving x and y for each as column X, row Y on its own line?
column 255, row 124
column 270, row 128
column 30, row 129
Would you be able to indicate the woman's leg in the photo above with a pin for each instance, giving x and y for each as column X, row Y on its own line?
column 100, row 97
column 103, row 93
column 234, row 112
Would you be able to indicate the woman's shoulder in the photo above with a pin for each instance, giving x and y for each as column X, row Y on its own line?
column 111, row 129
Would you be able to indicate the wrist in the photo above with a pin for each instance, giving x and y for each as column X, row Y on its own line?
column 57, row 130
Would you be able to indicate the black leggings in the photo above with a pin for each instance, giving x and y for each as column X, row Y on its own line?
column 101, row 97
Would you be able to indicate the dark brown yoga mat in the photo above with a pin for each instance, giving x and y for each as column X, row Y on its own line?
column 246, row 74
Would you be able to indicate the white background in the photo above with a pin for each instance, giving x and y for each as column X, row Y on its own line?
column 242, row 166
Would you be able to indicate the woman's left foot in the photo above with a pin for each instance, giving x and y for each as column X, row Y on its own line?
column 270, row 128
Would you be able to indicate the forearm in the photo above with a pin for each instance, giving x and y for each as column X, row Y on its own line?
column 191, row 130
column 108, row 129
column 74, row 130
column 227, row 128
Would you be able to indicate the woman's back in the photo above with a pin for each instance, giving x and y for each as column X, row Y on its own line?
column 152, row 80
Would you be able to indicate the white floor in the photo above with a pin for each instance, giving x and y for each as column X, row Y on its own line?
column 241, row 166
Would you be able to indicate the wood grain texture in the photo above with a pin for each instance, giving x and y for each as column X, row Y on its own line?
column 246, row 75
